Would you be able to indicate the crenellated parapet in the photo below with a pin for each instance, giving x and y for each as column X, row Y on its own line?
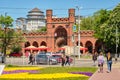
column 35, row 34
column 60, row 20
column 86, row 32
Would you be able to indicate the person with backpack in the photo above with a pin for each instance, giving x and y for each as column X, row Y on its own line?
column 100, row 62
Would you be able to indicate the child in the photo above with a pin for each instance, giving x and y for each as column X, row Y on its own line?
column 100, row 62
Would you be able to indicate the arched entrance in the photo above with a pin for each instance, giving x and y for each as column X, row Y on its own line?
column 89, row 45
column 81, row 44
column 27, row 44
column 98, row 46
column 43, row 43
column 60, row 36
column 35, row 44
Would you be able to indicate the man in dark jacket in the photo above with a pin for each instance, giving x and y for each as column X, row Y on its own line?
column 67, row 60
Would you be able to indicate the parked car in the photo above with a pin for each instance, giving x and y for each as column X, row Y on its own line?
column 48, row 53
column 45, row 59
column 14, row 54
column 58, row 57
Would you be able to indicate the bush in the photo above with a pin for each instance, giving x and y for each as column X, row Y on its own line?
column 16, row 49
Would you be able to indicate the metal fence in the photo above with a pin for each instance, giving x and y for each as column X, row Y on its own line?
column 17, row 61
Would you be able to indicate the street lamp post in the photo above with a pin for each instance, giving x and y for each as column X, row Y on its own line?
column 73, row 40
column 55, row 37
column 79, row 53
column 116, row 39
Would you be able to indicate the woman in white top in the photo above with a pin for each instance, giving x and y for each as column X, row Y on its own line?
column 100, row 62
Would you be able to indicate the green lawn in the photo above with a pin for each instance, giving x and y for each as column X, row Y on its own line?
column 67, row 69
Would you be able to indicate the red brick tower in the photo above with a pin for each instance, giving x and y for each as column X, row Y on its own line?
column 60, row 29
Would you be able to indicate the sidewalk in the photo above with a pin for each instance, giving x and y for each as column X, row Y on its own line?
column 113, row 75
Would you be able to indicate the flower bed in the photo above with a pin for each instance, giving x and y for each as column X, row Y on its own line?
column 84, row 73
column 34, row 73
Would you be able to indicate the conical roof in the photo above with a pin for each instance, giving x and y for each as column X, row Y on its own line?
column 35, row 10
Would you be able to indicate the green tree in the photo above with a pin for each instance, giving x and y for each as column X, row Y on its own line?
column 100, row 19
column 5, row 22
column 106, row 24
column 112, row 26
column 16, row 41
column 87, row 23
column 8, row 36
column 98, row 23
column 43, row 29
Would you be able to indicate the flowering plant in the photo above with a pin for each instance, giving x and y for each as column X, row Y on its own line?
column 34, row 73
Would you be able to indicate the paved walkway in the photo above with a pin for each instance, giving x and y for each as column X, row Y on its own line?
column 113, row 75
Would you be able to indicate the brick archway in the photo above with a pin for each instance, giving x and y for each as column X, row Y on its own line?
column 35, row 44
column 43, row 43
column 27, row 44
column 60, row 36
column 89, row 45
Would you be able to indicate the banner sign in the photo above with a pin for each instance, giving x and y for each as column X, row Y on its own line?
column 74, row 28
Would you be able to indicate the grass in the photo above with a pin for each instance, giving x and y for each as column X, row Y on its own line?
column 67, row 69
column 53, row 70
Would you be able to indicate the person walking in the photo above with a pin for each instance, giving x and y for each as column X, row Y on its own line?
column 100, row 62
column 109, row 61
column 116, row 58
column 94, row 58
column 63, row 59
column 31, row 58
column 67, row 60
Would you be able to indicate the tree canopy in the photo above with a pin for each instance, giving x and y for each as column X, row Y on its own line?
column 106, row 24
column 8, row 37
column 113, row 28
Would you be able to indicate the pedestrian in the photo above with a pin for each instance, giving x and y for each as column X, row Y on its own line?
column 63, row 60
column 31, row 58
column 94, row 58
column 100, row 62
column 116, row 58
column 109, row 61
column 67, row 60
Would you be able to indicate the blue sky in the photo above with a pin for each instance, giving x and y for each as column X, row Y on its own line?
column 20, row 8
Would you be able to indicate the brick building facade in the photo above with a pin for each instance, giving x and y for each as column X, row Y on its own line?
column 59, row 33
